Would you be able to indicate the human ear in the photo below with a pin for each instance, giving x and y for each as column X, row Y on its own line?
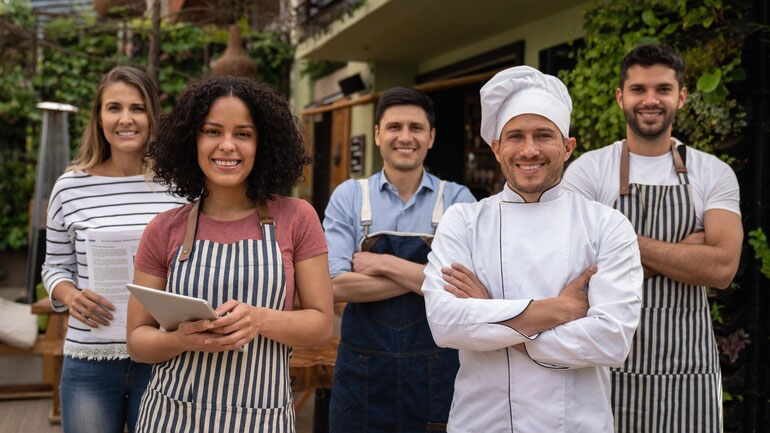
column 682, row 97
column 569, row 146
column 496, row 149
column 619, row 97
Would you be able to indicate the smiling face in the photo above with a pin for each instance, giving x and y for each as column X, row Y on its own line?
column 404, row 137
column 649, row 99
column 123, row 118
column 227, row 144
column 532, row 153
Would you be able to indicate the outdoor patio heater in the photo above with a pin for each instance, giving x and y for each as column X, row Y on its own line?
column 53, row 158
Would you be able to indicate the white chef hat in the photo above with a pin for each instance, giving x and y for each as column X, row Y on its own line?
column 523, row 90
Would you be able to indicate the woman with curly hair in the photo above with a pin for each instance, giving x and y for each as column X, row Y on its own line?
column 232, row 146
column 107, row 188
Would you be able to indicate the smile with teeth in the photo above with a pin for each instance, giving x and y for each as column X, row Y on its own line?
column 405, row 150
column 227, row 163
column 127, row 133
column 530, row 167
column 650, row 114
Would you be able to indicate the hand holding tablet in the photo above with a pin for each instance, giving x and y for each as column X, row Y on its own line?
column 171, row 309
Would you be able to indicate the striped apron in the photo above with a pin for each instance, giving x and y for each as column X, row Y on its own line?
column 225, row 391
column 671, row 380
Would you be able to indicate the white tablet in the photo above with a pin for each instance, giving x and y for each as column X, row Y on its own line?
column 171, row 309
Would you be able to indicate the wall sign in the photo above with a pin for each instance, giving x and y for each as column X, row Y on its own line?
column 357, row 145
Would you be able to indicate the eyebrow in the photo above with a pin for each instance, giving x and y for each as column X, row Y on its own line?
column 540, row 129
column 663, row 84
column 111, row 103
column 406, row 122
column 208, row 122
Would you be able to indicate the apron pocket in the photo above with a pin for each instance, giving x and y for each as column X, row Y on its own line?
column 442, row 369
column 167, row 414
column 400, row 313
column 349, row 399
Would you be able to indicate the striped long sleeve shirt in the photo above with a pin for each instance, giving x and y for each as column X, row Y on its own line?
column 81, row 202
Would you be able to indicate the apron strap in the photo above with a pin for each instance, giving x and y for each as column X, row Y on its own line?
column 366, row 206
column 189, row 233
column 264, row 213
column 624, row 169
column 681, row 169
column 438, row 208
column 192, row 225
column 678, row 163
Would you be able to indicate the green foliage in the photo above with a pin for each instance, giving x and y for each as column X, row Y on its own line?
column 17, row 173
column 702, row 31
column 758, row 241
column 274, row 57
column 716, row 312
column 320, row 24
column 67, row 67
column 316, row 69
column 711, row 127
column 726, row 396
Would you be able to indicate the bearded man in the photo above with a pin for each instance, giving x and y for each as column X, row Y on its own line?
column 684, row 206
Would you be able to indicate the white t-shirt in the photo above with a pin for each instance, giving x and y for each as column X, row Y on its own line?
column 596, row 175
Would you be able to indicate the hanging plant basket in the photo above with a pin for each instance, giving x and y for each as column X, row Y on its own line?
column 234, row 61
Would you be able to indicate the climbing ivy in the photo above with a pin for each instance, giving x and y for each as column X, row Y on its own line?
column 67, row 65
column 703, row 31
column 758, row 241
column 710, row 36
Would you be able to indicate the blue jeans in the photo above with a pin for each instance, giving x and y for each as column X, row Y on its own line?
column 101, row 396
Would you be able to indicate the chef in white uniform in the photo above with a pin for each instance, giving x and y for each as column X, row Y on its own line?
column 538, row 287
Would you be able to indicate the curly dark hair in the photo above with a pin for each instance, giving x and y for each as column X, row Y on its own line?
column 280, row 153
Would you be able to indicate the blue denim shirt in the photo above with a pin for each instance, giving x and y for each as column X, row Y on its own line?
column 342, row 218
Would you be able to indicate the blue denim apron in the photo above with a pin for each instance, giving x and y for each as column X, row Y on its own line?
column 390, row 376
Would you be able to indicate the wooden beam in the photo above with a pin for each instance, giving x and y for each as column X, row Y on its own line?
column 432, row 86
column 343, row 103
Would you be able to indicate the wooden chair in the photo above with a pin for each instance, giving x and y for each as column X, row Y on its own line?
column 311, row 372
column 312, row 368
column 50, row 346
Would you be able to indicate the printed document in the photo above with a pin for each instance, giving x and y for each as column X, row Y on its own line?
column 110, row 256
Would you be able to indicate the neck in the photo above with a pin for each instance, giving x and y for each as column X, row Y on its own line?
column 120, row 165
column 531, row 197
column 406, row 182
column 227, row 204
column 528, row 197
column 657, row 146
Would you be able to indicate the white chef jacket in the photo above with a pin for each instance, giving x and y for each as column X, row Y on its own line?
column 520, row 252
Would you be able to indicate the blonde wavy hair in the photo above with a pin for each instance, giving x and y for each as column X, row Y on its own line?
column 94, row 148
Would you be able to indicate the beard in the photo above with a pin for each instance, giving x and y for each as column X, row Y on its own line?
column 634, row 121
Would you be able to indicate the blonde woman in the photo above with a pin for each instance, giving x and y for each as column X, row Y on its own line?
column 107, row 188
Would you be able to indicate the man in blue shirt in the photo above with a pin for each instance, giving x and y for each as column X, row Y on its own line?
column 390, row 375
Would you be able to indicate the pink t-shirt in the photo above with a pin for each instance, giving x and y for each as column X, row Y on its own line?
column 297, row 229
